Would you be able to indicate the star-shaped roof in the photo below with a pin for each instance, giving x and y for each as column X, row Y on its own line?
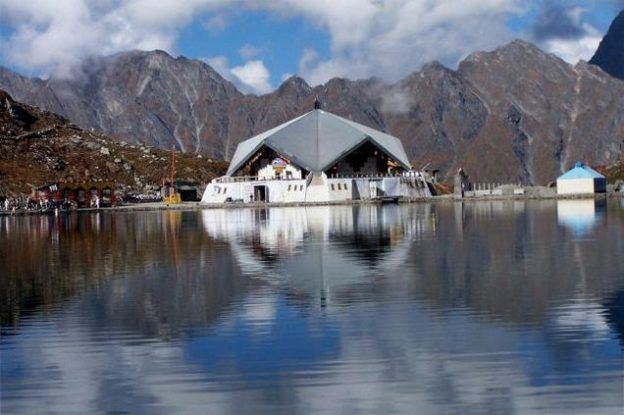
column 317, row 140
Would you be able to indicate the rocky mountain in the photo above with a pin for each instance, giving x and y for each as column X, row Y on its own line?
column 610, row 53
column 513, row 114
column 39, row 147
column 145, row 97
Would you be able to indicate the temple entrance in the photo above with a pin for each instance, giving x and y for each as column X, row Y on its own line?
column 375, row 189
column 261, row 193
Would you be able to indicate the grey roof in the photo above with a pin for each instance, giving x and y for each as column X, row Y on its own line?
column 316, row 140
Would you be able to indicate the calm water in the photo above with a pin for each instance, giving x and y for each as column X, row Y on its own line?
column 495, row 307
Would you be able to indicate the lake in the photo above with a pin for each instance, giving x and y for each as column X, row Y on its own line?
column 468, row 308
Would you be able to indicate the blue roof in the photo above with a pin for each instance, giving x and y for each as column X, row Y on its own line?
column 581, row 171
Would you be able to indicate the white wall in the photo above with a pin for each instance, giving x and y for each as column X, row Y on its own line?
column 280, row 191
column 575, row 186
column 219, row 192
column 340, row 189
column 320, row 189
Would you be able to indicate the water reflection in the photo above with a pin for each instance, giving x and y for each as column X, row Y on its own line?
column 316, row 251
column 581, row 216
column 488, row 307
column 614, row 314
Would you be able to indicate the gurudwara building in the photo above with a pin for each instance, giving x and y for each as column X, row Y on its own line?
column 318, row 157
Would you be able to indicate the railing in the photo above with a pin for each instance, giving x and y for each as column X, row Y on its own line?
column 375, row 176
column 237, row 179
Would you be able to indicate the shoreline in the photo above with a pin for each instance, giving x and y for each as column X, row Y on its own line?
column 194, row 206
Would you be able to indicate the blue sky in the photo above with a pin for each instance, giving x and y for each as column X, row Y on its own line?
column 256, row 44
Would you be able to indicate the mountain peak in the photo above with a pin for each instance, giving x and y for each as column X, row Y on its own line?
column 295, row 81
column 433, row 66
column 610, row 53
column 515, row 53
column 519, row 46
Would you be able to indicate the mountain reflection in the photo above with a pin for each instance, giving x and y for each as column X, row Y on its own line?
column 484, row 307
column 169, row 270
column 501, row 259
column 155, row 266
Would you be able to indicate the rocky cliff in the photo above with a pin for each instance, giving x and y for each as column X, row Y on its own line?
column 513, row 114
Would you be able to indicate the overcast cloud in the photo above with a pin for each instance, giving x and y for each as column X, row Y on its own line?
column 560, row 29
column 388, row 38
column 557, row 21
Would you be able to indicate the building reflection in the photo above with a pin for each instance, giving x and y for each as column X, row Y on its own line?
column 581, row 216
column 503, row 263
column 170, row 271
column 318, row 252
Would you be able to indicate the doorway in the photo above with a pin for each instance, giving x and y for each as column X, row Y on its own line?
column 375, row 189
column 261, row 193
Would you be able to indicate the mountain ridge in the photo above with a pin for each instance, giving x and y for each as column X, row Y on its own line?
column 512, row 114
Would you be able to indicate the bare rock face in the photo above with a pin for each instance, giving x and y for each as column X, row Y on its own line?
column 516, row 114
column 39, row 147
column 610, row 53
column 146, row 97
column 543, row 113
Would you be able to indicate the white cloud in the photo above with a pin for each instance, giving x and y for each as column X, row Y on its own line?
column 248, row 51
column 251, row 77
column 386, row 38
column 573, row 50
column 53, row 35
column 396, row 101
column 309, row 59
column 394, row 37
column 254, row 75
column 216, row 23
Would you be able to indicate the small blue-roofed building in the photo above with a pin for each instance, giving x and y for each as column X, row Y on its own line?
column 581, row 180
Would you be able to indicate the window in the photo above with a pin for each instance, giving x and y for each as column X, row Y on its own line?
column 218, row 190
column 332, row 187
column 288, row 188
column 345, row 187
column 300, row 187
column 224, row 190
column 339, row 187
